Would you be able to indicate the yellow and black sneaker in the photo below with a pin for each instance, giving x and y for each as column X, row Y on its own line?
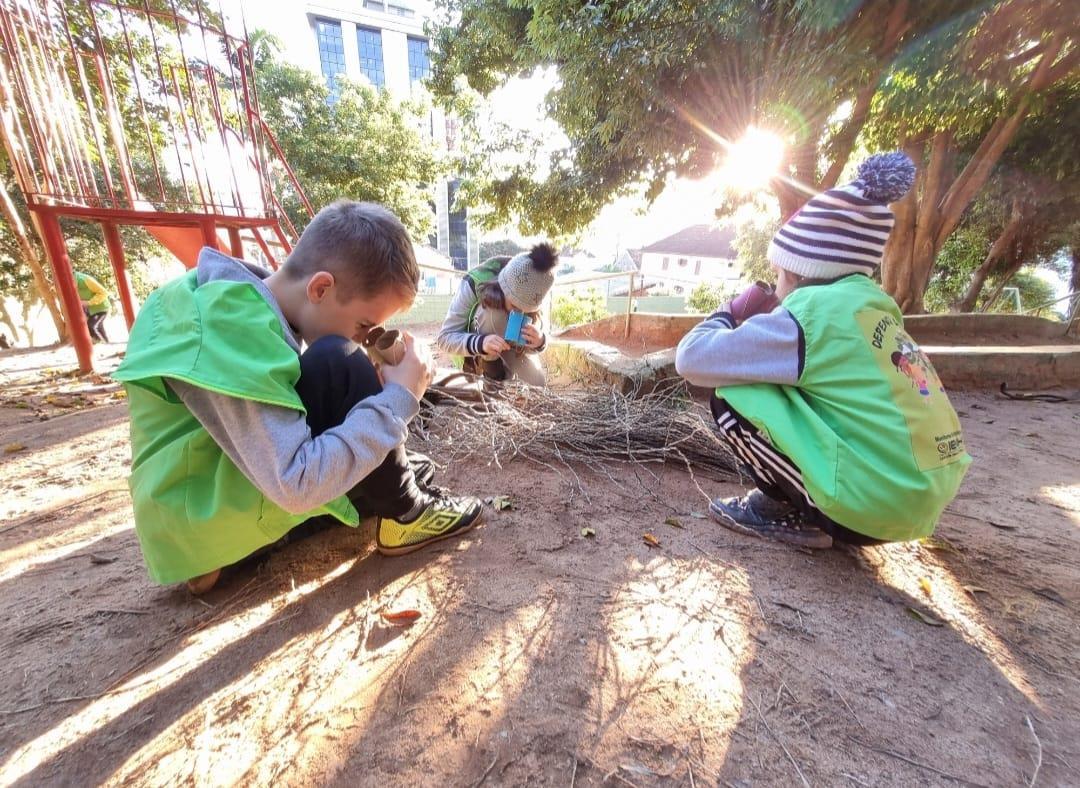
column 443, row 517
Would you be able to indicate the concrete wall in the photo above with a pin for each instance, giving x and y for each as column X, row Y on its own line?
column 652, row 329
column 968, row 351
column 975, row 329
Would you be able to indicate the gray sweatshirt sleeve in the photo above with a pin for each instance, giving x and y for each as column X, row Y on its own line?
column 454, row 336
column 273, row 446
column 764, row 349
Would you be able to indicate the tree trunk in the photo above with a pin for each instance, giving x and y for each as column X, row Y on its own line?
column 28, row 323
column 896, row 264
column 924, row 251
column 1019, row 252
column 971, row 181
column 997, row 250
column 5, row 317
column 995, row 293
column 33, row 260
column 1074, row 280
column 935, row 219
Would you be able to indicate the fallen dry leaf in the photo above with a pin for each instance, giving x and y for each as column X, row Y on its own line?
column 939, row 543
column 925, row 618
column 651, row 540
column 924, row 584
column 400, row 618
column 674, row 522
column 11, row 448
column 499, row 503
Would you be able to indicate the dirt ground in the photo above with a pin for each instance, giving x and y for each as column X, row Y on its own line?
column 541, row 656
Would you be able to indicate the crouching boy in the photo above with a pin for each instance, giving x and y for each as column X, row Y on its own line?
column 838, row 416
column 238, row 435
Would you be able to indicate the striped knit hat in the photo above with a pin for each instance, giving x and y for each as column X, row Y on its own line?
column 843, row 231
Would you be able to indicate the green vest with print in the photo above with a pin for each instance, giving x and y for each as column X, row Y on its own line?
column 869, row 424
column 195, row 510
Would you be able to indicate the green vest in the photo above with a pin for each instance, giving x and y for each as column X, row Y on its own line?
column 485, row 272
column 195, row 510
column 869, row 424
column 85, row 293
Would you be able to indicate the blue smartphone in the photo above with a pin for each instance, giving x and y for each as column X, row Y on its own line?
column 515, row 321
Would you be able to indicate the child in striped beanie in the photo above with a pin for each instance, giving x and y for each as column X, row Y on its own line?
column 835, row 412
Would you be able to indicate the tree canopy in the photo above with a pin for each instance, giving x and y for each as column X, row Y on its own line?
column 364, row 145
column 651, row 89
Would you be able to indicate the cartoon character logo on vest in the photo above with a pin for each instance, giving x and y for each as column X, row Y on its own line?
column 910, row 361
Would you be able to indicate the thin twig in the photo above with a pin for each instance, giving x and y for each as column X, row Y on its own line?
column 51, row 702
column 855, row 779
column 781, row 743
column 487, row 771
column 1039, row 754
column 919, row 764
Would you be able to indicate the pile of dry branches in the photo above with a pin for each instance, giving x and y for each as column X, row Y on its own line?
column 560, row 428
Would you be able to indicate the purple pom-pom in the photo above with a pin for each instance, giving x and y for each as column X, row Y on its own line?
column 886, row 177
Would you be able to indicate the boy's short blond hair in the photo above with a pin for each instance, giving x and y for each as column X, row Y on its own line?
column 365, row 247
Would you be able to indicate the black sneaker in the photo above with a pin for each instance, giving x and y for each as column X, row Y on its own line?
column 444, row 516
column 757, row 514
column 423, row 468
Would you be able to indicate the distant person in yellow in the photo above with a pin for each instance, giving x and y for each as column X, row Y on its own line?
column 95, row 304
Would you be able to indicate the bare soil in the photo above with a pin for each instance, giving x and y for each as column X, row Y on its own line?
column 540, row 655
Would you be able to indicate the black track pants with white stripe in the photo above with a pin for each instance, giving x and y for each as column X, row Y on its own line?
column 773, row 471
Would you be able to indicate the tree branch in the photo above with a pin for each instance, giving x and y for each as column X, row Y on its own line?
column 896, row 25
column 1001, row 133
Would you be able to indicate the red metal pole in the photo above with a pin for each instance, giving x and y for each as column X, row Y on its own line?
column 209, row 233
column 236, row 245
column 281, row 238
column 116, row 256
column 69, row 294
column 265, row 249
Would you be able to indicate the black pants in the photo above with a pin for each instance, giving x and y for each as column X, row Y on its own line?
column 335, row 374
column 96, row 324
column 774, row 473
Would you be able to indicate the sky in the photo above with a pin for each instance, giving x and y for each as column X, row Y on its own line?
column 626, row 223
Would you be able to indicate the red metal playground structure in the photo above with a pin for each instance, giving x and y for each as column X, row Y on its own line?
column 139, row 115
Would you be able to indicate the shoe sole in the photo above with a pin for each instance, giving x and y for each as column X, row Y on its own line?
column 197, row 586
column 412, row 548
column 732, row 524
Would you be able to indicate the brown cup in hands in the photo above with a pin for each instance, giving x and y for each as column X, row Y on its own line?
column 385, row 346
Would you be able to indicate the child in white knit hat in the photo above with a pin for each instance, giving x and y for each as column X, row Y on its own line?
column 837, row 414
column 503, row 293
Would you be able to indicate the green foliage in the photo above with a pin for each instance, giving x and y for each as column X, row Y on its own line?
column 571, row 309
column 753, row 232
column 366, row 145
column 1034, row 292
column 85, row 246
column 962, row 254
column 958, row 259
column 707, row 298
column 646, row 89
column 1039, row 176
column 503, row 246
